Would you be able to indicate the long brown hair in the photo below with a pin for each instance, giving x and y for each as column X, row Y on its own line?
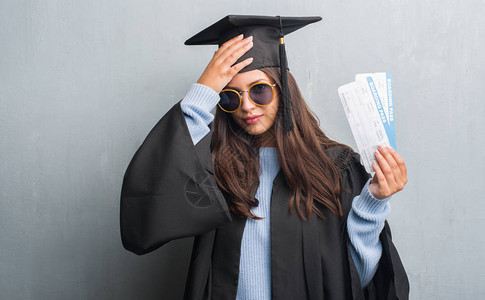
column 309, row 172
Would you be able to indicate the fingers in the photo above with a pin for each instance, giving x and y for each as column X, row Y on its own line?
column 228, row 44
column 384, row 175
column 385, row 165
column 238, row 67
column 396, row 172
column 381, row 179
column 390, row 171
column 400, row 163
column 236, row 50
column 379, row 186
column 398, row 167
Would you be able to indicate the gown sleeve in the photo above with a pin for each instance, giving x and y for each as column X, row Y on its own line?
column 169, row 190
column 390, row 280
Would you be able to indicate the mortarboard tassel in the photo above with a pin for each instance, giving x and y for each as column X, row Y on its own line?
column 287, row 123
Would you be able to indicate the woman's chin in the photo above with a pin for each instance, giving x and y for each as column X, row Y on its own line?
column 254, row 130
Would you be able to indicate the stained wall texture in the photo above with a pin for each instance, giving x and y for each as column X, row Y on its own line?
column 83, row 82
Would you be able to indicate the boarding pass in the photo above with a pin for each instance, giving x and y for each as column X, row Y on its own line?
column 368, row 105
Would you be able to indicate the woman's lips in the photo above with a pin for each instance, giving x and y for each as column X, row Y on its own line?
column 252, row 119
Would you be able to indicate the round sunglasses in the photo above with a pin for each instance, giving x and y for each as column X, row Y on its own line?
column 260, row 93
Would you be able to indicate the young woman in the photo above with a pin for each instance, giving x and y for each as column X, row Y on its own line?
column 278, row 210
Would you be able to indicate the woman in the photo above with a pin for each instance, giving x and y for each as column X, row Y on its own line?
column 235, row 182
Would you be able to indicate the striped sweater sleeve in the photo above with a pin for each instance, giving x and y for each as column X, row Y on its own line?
column 364, row 224
column 196, row 105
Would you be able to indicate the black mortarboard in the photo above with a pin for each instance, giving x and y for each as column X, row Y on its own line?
column 268, row 45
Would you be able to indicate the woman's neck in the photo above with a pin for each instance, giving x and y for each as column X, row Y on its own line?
column 268, row 144
column 267, row 139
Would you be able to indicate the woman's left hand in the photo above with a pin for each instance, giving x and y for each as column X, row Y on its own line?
column 391, row 173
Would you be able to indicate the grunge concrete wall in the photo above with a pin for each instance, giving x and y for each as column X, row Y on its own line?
column 83, row 82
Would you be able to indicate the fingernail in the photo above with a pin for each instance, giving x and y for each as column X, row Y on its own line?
column 377, row 153
column 240, row 36
column 250, row 38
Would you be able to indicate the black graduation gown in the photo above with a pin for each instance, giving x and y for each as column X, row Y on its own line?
column 169, row 192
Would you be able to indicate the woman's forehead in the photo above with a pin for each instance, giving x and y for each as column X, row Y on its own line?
column 245, row 79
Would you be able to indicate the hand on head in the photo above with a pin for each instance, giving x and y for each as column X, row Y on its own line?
column 220, row 69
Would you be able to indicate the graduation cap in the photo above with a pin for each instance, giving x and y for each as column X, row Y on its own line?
column 268, row 44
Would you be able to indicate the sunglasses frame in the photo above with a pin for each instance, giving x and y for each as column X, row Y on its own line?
column 249, row 95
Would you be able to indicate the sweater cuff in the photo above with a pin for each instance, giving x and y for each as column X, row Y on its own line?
column 367, row 203
column 201, row 96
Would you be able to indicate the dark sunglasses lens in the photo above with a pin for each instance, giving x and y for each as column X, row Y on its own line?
column 261, row 93
column 229, row 100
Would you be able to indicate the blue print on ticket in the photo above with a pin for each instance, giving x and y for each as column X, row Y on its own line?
column 392, row 134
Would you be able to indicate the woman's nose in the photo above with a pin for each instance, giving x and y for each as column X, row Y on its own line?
column 246, row 104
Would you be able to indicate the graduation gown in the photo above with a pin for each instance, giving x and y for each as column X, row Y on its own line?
column 169, row 192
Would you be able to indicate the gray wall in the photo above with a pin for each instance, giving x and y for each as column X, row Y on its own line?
column 82, row 83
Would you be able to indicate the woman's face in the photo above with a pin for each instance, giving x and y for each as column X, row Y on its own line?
column 267, row 113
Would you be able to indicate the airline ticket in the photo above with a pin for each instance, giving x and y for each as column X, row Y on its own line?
column 368, row 105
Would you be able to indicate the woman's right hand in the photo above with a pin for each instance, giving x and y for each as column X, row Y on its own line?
column 220, row 70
